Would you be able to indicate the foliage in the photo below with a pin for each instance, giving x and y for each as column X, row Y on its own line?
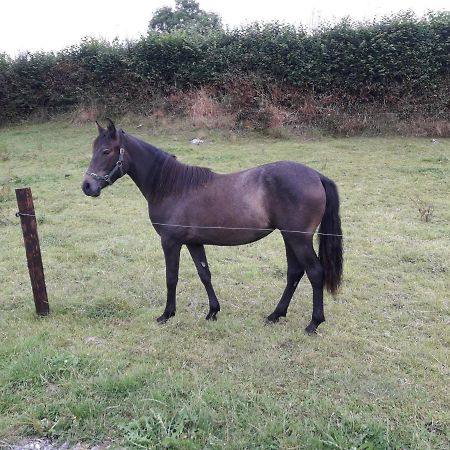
column 187, row 16
column 401, row 58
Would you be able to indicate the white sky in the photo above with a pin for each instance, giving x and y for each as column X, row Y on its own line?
column 49, row 25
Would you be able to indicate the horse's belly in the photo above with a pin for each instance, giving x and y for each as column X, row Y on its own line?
column 226, row 237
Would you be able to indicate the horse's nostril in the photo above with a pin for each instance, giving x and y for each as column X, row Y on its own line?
column 86, row 187
column 91, row 188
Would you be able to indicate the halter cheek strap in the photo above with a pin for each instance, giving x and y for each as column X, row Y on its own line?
column 117, row 168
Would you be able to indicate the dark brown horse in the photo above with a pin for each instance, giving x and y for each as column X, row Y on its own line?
column 196, row 207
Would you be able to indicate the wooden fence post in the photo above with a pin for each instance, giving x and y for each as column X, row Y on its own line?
column 32, row 249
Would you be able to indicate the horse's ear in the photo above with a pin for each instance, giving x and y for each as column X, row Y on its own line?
column 111, row 128
column 99, row 128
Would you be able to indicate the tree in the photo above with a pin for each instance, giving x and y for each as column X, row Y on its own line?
column 187, row 15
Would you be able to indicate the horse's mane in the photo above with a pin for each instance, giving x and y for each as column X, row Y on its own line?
column 168, row 176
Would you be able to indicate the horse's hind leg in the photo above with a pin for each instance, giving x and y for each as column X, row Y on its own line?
column 199, row 257
column 295, row 272
column 304, row 251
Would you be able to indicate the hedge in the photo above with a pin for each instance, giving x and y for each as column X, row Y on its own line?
column 402, row 54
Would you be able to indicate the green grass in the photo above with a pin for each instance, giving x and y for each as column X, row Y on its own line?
column 99, row 369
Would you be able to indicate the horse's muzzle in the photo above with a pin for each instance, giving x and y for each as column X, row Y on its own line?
column 91, row 187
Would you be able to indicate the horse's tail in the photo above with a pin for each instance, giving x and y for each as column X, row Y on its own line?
column 330, row 238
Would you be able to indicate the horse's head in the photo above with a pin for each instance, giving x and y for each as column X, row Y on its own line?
column 107, row 160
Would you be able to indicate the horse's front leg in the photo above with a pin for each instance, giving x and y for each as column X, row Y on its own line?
column 199, row 257
column 172, row 256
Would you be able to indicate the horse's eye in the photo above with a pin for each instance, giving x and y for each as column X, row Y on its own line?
column 106, row 151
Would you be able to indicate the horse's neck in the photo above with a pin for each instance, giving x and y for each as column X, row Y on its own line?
column 145, row 164
column 157, row 174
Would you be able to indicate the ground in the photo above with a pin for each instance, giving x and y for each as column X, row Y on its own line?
column 100, row 371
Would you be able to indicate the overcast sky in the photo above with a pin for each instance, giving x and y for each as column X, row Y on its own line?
column 49, row 25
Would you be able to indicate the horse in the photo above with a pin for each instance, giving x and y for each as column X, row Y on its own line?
column 194, row 206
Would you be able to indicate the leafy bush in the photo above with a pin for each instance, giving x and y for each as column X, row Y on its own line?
column 397, row 58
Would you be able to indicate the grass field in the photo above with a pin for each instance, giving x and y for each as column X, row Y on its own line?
column 100, row 370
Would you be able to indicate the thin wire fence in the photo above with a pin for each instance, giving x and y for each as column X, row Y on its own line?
column 203, row 227
column 244, row 229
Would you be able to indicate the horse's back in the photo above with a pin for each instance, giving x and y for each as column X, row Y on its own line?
column 282, row 194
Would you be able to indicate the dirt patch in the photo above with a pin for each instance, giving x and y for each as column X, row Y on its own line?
column 44, row 444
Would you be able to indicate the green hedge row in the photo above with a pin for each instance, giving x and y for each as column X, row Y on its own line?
column 404, row 51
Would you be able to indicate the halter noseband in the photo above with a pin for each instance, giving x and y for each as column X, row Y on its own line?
column 118, row 167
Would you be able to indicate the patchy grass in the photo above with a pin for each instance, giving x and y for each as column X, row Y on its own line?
column 99, row 369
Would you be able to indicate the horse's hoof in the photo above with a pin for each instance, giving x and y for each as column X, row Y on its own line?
column 211, row 316
column 270, row 320
column 315, row 322
column 274, row 318
column 311, row 329
column 164, row 318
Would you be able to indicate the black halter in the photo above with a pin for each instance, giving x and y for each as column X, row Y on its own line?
column 118, row 167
